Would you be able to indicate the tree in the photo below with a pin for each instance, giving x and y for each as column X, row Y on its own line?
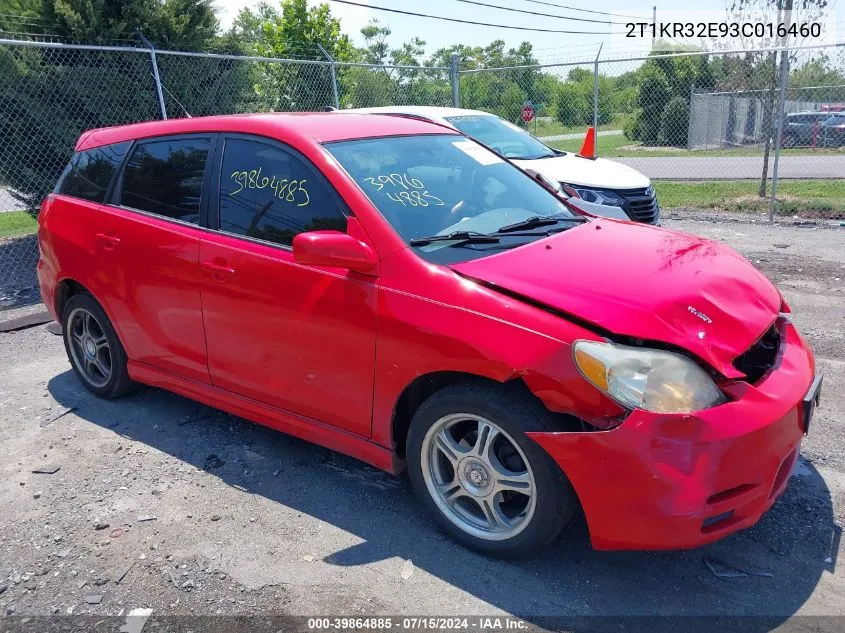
column 573, row 105
column 654, row 94
column 759, row 71
column 295, row 32
column 674, row 123
column 375, row 43
column 169, row 24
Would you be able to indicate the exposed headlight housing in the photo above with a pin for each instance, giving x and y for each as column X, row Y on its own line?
column 604, row 197
column 649, row 379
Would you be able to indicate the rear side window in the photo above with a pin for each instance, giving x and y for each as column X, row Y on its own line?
column 89, row 173
column 165, row 177
column 272, row 194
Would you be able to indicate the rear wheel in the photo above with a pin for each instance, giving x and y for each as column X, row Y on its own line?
column 92, row 346
column 483, row 480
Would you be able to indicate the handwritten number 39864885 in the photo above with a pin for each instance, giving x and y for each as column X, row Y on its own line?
column 283, row 188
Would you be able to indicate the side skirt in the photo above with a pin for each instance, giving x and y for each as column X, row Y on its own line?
column 304, row 428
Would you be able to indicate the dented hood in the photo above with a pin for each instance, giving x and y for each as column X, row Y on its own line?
column 645, row 282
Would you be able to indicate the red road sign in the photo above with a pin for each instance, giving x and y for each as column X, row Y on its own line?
column 527, row 113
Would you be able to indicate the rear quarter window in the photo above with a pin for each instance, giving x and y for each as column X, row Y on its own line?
column 90, row 172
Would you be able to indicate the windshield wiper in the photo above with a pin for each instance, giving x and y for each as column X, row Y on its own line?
column 535, row 222
column 459, row 237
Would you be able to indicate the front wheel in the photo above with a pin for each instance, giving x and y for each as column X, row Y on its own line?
column 488, row 485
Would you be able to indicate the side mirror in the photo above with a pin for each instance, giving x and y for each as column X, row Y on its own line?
column 549, row 183
column 336, row 249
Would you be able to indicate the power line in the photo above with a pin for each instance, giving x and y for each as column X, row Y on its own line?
column 544, row 15
column 563, row 6
column 440, row 17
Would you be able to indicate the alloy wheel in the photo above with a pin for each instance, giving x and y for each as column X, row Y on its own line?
column 89, row 347
column 478, row 476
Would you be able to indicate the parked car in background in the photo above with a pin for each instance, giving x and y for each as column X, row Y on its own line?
column 388, row 288
column 833, row 130
column 600, row 187
column 802, row 128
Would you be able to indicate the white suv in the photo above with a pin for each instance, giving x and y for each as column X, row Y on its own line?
column 598, row 186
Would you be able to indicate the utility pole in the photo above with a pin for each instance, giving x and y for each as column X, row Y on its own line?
column 653, row 24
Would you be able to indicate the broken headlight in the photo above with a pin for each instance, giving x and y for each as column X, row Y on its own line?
column 650, row 379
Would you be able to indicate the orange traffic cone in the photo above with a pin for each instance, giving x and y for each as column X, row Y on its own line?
column 588, row 149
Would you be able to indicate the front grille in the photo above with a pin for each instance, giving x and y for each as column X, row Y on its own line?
column 761, row 357
column 640, row 204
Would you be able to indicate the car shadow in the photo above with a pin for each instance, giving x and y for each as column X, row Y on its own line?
column 18, row 281
column 765, row 573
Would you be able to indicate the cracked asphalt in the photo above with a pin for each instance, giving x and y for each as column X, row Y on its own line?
column 162, row 503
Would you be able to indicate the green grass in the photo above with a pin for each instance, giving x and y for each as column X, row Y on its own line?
column 811, row 198
column 621, row 147
column 608, row 146
column 14, row 223
column 553, row 127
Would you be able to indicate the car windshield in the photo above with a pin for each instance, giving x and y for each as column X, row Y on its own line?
column 835, row 119
column 437, row 185
column 504, row 137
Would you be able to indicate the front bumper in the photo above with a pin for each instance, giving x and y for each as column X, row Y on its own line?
column 678, row 481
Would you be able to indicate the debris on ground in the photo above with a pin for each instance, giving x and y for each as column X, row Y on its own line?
column 407, row 570
column 57, row 417
column 725, row 570
column 95, row 599
column 126, row 571
column 142, row 518
column 135, row 620
column 47, row 469
column 100, row 525
column 213, row 461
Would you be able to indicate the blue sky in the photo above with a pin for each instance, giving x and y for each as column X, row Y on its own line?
column 549, row 47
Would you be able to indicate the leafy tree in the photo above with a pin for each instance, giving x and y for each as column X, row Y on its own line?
column 376, row 49
column 653, row 96
column 580, row 75
column 169, row 24
column 51, row 96
column 295, row 32
column 759, row 71
column 674, row 123
column 573, row 105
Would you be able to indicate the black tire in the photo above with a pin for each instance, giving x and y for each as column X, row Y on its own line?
column 515, row 412
column 118, row 382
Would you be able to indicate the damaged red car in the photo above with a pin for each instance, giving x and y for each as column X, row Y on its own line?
column 392, row 290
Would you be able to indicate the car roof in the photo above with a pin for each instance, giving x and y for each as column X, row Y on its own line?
column 321, row 127
column 428, row 112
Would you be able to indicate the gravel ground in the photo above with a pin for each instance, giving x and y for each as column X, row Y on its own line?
column 163, row 503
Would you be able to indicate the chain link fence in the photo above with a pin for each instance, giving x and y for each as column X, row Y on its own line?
column 51, row 93
column 749, row 132
column 713, row 130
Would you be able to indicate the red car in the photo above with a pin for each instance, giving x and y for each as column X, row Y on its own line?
column 390, row 289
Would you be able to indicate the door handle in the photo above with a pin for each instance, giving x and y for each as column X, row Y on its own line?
column 107, row 241
column 218, row 271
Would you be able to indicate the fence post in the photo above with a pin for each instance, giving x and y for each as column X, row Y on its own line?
column 456, row 87
column 333, row 71
column 784, row 74
column 689, row 116
column 596, row 89
column 156, row 76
